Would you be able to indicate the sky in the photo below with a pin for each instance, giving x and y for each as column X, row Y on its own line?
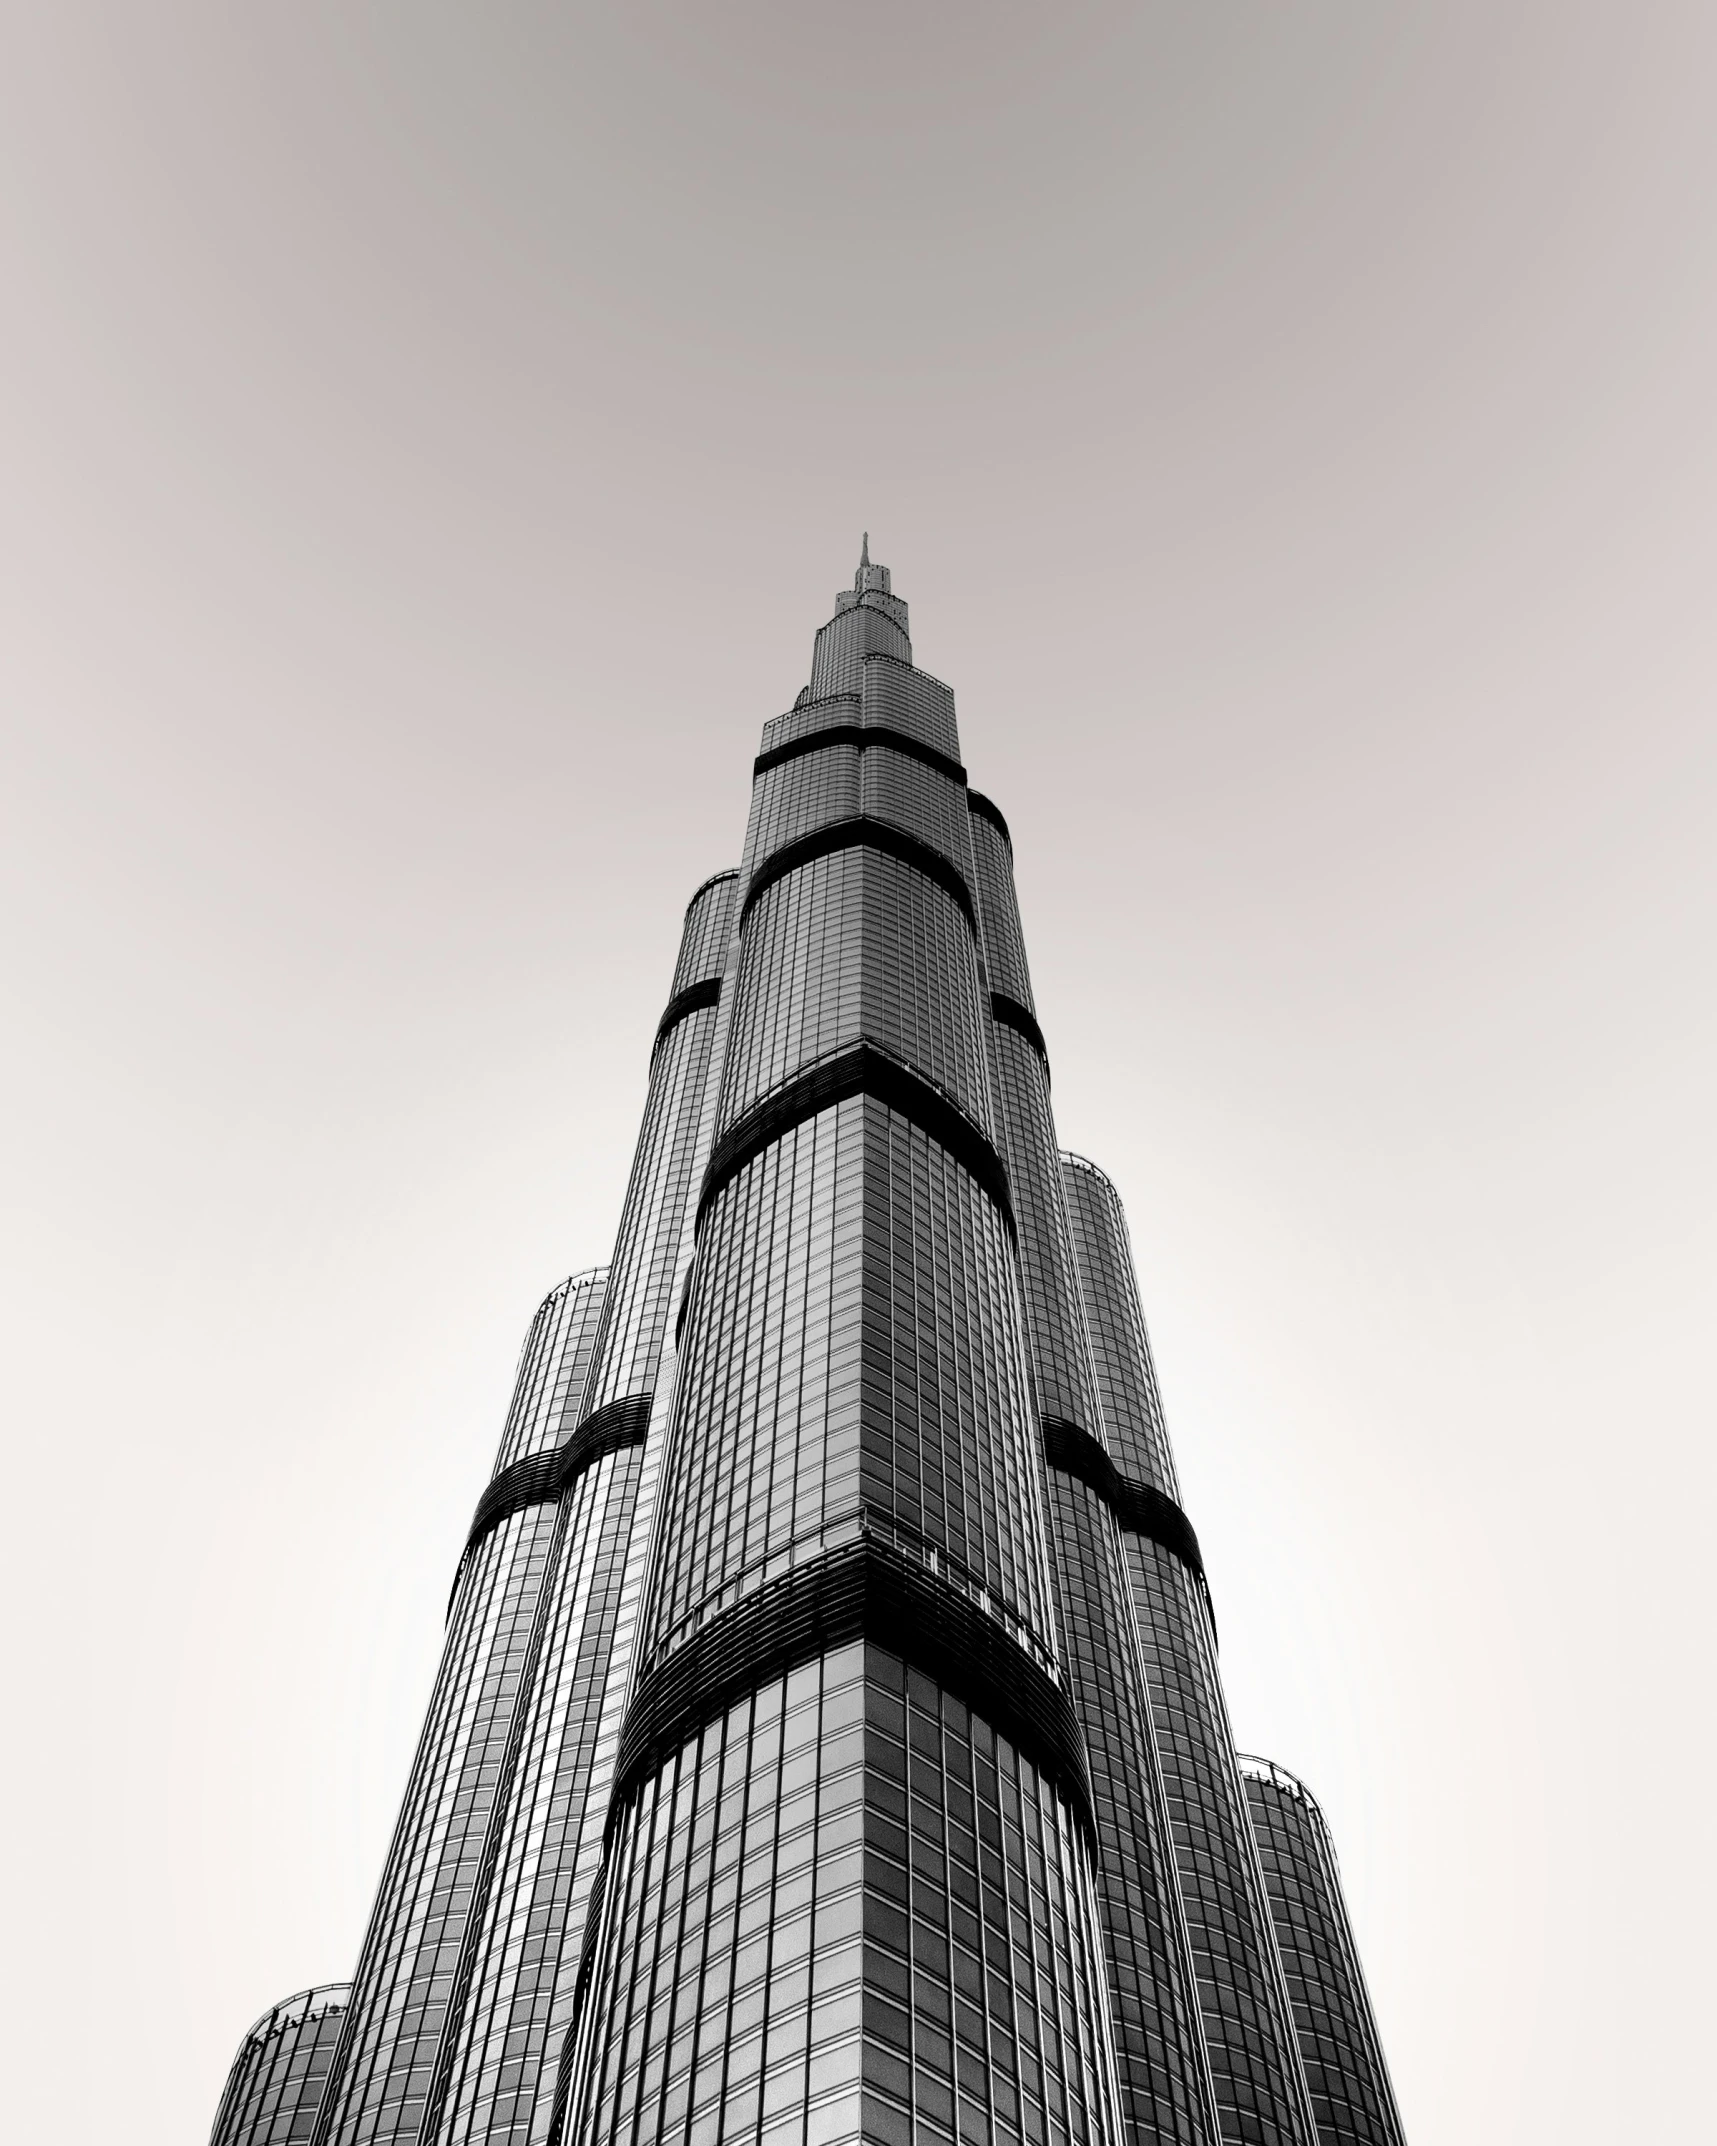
column 429, row 439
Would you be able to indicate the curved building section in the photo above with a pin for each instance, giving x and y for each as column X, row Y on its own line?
column 848, row 1908
column 1004, row 942
column 552, row 1368
column 276, row 2082
column 1165, row 2093
column 1248, row 2028
column 856, row 943
column 1133, row 1421
column 852, row 1815
column 495, row 2073
column 422, row 1918
column 1352, row 2098
column 706, row 935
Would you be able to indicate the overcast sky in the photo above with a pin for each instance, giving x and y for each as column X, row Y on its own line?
column 429, row 439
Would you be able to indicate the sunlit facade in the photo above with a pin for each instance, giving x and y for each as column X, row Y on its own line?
column 828, row 1743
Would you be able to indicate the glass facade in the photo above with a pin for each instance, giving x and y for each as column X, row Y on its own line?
column 276, row 2082
column 1248, row 2027
column 1164, row 2088
column 1351, row 2095
column 828, row 1742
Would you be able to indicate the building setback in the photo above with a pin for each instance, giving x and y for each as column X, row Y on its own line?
column 275, row 2086
column 828, row 1742
column 1339, row 2043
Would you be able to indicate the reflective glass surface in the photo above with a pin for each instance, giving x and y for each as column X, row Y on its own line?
column 847, row 1909
column 856, row 944
column 1164, row 2090
column 1248, row 2030
column 277, row 2077
column 1351, row 2095
column 496, row 2072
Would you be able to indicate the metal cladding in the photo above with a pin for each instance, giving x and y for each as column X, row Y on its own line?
column 1351, row 2095
column 828, row 1744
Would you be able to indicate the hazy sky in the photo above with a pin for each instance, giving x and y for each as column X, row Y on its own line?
column 429, row 439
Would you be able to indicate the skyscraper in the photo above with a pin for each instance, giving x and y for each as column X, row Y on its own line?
column 828, row 1742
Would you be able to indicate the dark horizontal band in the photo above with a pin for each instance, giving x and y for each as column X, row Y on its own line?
column 866, row 1590
column 542, row 1476
column 987, row 809
column 693, row 999
column 861, row 735
column 1140, row 1509
column 1021, row 1020
column 861, row 833
column 862, row 1070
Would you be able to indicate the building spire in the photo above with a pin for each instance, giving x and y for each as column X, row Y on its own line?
column 864, row 552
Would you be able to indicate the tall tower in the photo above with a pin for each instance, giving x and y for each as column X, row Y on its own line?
column 828, row 1743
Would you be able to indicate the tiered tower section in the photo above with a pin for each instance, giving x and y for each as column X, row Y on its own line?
column 1339, row 2042
column 402, row 1993
column 1164, row 2087
column 1248, row 2026
column 828, row 1743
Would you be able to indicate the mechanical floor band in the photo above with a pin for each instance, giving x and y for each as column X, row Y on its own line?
column 706, row 992
column 541, row 1476
column 862, row 1070
column 862, row 832
column 863, row 1591
column 987, row 809
column 861, row 735
column 1022, row 1020
column 1139, row 1508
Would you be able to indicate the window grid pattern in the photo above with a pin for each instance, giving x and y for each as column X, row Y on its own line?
column 1248, row 2032
column 799, row 795
column 1248, row 2027
column 1351, row 2095
column 1165, row 2092
column 706, row 932
column 837, row 659
column 897, row 696
column 498, row 2071
column 665, row 1171
column 891, row 694
column 405, row 1978
column 1054, row 1315
column 534, row 1914
column 1164, row 2088
column 277, row 2077
column 847, row 1909
column 553, row 1367
column 1133, row 1419
column 835, row 782
column 764, row 1454
column 855, row 944
column 998, row 912
column 808, row 716
column 949, row 1451
column 851, row 1359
